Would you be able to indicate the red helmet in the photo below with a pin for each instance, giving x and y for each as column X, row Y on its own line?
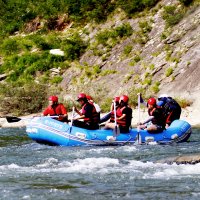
column 81, row 96
column 151, row 101
column 89, row 97
column 124, row 98
column 116, row 99
column 53, row 98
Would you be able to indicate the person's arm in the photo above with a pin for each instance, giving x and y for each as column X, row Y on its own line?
column 63, row 110
column 124, row 113
column 112, row 107
column 46, row 112
column 80, row 117
column 86, row 113
column 148, row 120
column 77, row 111
column 122, row 117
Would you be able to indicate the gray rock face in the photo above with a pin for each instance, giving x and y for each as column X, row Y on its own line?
column 180, row 51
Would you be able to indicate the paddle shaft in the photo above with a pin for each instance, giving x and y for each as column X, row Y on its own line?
column 72, row 118
column 139, row 108
column 115, row 114
column 138, row 127
column 116, row 129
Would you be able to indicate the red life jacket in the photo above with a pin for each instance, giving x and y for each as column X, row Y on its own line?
column 121, row 122
column 112, row 116
column 59, row 109
column 95, row 118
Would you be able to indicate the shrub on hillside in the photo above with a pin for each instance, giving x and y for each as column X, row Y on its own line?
column 9, row 46
column 169, row 71
column 186, row 2
column 183, row 102
column 28, row 65
column 22, row 100
column 16, row 13
column 133, row 97
column 172, row 15
column 123, row 31
column 73, row 47
column 133, row 6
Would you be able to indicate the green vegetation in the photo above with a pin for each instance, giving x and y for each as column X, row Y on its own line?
column 22, row 12
column 128, row 77
column 30, row 29
column 186, row 2
column 104, row 37
column 127, row 50
column 172, row 15
column 169, row 71
column 183, row 102
column 147, row 81
column 155, row 87
column 22, row 100
column 133, row 6
column 151, row 66
column 56, row 79
column 105, row 106
column 25, row 64
column 133, row 98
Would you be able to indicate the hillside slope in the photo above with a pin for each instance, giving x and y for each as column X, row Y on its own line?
column 154, row 51
column 179, row 51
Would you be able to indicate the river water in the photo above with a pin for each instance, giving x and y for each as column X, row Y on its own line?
column 32, row 171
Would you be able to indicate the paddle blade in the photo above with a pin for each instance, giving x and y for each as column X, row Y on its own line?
column 116, row 131
column 138, row 139
column 12, row 119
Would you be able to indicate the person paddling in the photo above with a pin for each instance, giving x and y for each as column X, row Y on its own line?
column 107, row 116
column 88, row 114
column 57, row 109
column 124, row 116
column 156, row 122
column 97, row 107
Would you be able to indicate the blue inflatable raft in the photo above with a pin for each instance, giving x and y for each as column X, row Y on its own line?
column 52, row 132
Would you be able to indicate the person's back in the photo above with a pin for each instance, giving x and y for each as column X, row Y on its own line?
column 172, row 109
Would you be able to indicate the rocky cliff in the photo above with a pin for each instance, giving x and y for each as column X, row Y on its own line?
column 163, row 57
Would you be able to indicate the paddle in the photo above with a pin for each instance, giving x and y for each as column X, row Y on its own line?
column 72, row 118
column 11, row 119
column 138, row 139
column 116, row 130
